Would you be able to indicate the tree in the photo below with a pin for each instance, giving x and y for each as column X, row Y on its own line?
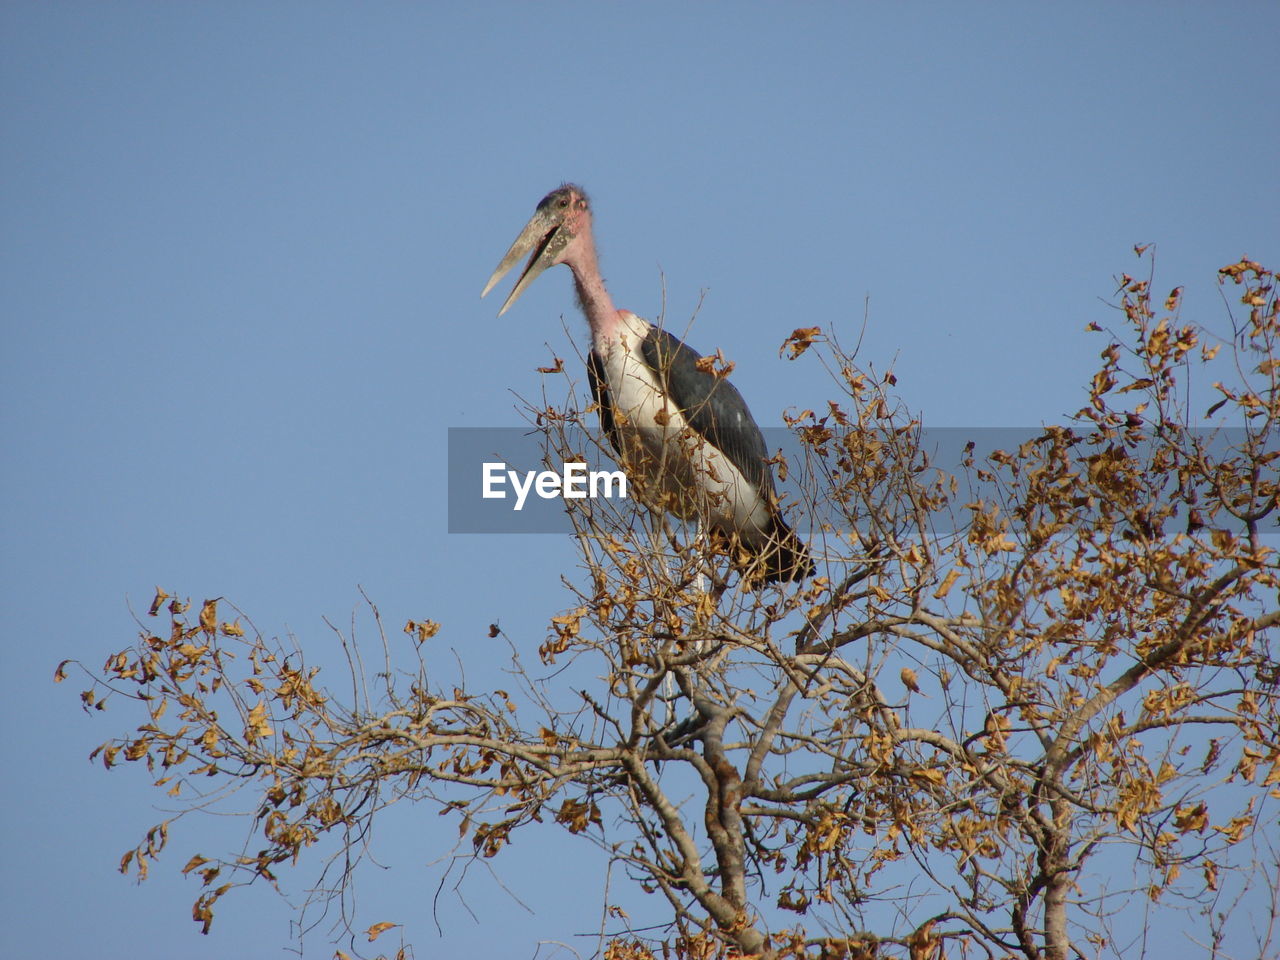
column 1010, row 679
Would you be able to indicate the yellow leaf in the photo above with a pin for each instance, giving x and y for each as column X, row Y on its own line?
column 945, row 587
column 1194, row 818
column 708, row 366
column 800, row 340
column 256, row 725
column 158, row 602
column 1211, row 874
column 209, row 740
column 378, row 929
column 421, row 631
column 928, row 775
column 921, row 944
column 195, row 863
column 1235, row 829
column 209, row 616
column 1274, row 776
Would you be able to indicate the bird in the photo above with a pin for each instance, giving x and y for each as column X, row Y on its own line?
column 682, row 432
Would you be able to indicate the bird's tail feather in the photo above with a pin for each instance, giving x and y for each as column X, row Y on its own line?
column 784, row 557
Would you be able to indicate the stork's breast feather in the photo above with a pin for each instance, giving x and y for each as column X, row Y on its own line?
column 673, row 449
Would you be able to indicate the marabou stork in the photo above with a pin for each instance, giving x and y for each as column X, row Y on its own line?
column 680, row 429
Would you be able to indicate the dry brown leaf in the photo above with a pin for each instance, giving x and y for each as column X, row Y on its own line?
column 158, row 602
column 378, row 929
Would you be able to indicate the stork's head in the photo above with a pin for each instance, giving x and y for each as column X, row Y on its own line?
column 560, row 224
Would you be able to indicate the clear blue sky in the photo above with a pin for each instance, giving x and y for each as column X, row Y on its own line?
column 242, row 250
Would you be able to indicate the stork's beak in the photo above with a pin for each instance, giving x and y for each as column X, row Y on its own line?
column 547, row 237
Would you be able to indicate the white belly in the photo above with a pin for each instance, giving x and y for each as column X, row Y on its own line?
column 672, row 467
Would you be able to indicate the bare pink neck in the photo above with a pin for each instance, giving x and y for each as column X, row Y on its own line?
column 592, row 295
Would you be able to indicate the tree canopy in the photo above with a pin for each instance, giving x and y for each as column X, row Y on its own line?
column 1007, row 677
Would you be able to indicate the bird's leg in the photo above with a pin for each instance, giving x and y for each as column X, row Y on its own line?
column 658, row 534
column 701, row 541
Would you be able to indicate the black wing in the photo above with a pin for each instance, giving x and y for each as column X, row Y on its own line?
column 711, row 405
